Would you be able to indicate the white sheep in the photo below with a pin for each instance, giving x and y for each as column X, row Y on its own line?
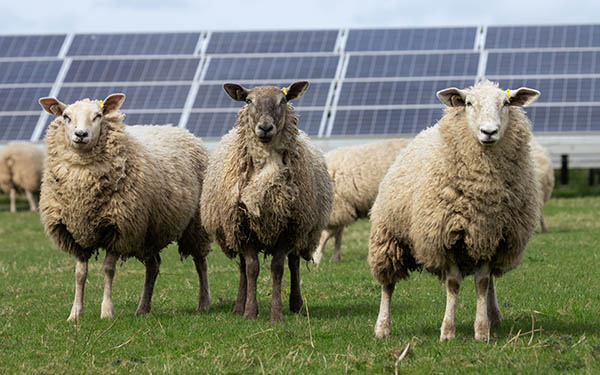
column 461, row 198
column 356, row 172
column 266, row 190
column 544, row 173
column 21, row 167
column 128, row 190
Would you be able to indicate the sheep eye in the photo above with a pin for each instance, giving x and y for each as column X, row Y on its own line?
column 506, row 103
column 98, row 117
column 248, row 101
column 469, row 104
column 67, row 118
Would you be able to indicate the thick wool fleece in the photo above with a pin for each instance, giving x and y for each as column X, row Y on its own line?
column 278, row 200
column 356, row 172
column 448, row 199
column 21, row 167
column 134, row 193
column 543, row 170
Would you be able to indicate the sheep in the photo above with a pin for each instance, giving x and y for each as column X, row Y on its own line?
column 130, row 190
column 460, row 199
column 544, row 174
column 356, row 172
column 21, row 166
column 266, row 190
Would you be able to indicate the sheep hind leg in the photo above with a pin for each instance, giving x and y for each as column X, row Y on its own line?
column 31, row 199
column 543, row 224
column 494, row 314
column 204, row 299
column 337, row 250
column 152, row 268
column 296, row 301
column 108, row 268
column 326, row 234
column 482, row 283
column 240, row 302
column 13, row 200
column 277, row 265
column 252, row 271
column 382, row 327
column 81, row 270
column 453, row 279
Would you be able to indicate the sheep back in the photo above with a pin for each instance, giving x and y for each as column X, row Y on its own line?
column 21, row 167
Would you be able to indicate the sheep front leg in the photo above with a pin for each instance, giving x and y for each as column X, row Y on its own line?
column 109, row 268
column 31, row 199
column 13, row 198
column 277, row 264
column 382, row 327
column 452, row 280
column 240, row 302
column 296, row 301
column 494, row 314
column 337, row 250
column 152, row 268
column 482, row 283
column 81, row 270
column 326, row 234
column 204, row 299
column 252, row 270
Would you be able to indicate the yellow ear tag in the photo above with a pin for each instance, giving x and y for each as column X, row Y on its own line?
column 508, row 93
column 284, row 90
column 101, row 103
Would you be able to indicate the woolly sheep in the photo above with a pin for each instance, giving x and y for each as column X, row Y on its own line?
column 460, row 199
column 21, row 166
column 544, row 173
column 129, row 190
column 356, row 172
column 266, row 190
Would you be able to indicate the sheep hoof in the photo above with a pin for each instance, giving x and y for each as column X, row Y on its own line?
column 142, row 311
column 238, row 310
column 296, row 305
column 382, row 330
column 250, row 316
column 482, row 332
column 276, row 317
column 76, row 314
column 107, row 313
column 335, row 259
column 448, row 332
column 495, row 319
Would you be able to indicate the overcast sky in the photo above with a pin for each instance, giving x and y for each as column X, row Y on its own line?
column 43, row 17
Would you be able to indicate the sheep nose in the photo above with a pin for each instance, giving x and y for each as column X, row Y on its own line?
column 265, row 128
column 488, row 132
column 81, row 133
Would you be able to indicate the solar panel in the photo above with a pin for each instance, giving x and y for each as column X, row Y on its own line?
column 42, row 71
column 272, row 41
column 272, row 68
column 384, row 121
column 152, row 118
column 564, row 36
column 134, row 44
column 554, row 90
column 137, row 97
column 17, row 127
column 132, row 70
column 411, row 39
column 413, row 65
column 564, row 118
column 30, row 45
column 538, row 63
column 21, row 98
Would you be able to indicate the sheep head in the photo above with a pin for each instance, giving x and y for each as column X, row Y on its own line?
column 82, row 119
column 487, row 107
column 266, row 106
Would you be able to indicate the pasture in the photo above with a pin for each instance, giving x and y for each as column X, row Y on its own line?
column 551, row 308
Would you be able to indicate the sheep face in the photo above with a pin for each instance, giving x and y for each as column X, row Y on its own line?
column 83, row 119
column 487, row 108
column 266, row 106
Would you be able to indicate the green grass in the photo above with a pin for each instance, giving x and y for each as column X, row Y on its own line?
column 558, row 283
column 578, row 185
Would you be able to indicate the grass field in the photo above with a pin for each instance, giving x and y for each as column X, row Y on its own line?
column 555, row 291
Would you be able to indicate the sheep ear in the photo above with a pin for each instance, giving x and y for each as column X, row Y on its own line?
column 236, row 92
column 296, row 90
column 53, row 106
column 452, row 97
column 522, row 96
column 112, row 103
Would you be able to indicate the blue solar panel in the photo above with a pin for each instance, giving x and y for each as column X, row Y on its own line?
column 213, row 96
column 573, row 36
column 534, row 63
column 564, row 118
column 411, row 39
column 272, row 68
column 559, row 89
column 395, row 92
column 413, row 65
column 129, row 70
column 149, row 118
column 44, row 71
column 272, row 41
column 30, row 45
column 21, row 98
column 137, row 97
column 17, row 127
column 388, row 121
column 134, row 44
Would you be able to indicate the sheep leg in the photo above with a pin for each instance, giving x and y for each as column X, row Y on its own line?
column 240, row 302
column 482, row 284
column 31, row 199
column 252, row 271
column 337, row 250
column 81, row 269
column 109, row 268
column 277, row 264
column 452, row 280
column 543, row 224
column 13, row 197
column 326, row 234
column 204, row 299
column 152, row 268
column 494, row 314
column 382, row 327
column 296, row 301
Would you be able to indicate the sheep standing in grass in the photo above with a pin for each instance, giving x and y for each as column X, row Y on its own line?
column 545, row 176
column 21, row 166
column 460, row 199
column 266, row 190
column 356, row 172
column 129, row 190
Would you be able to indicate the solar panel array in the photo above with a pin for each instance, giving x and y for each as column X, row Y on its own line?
column 363, row 81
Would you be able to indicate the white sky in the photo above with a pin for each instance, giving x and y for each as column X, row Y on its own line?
column 44, row 17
